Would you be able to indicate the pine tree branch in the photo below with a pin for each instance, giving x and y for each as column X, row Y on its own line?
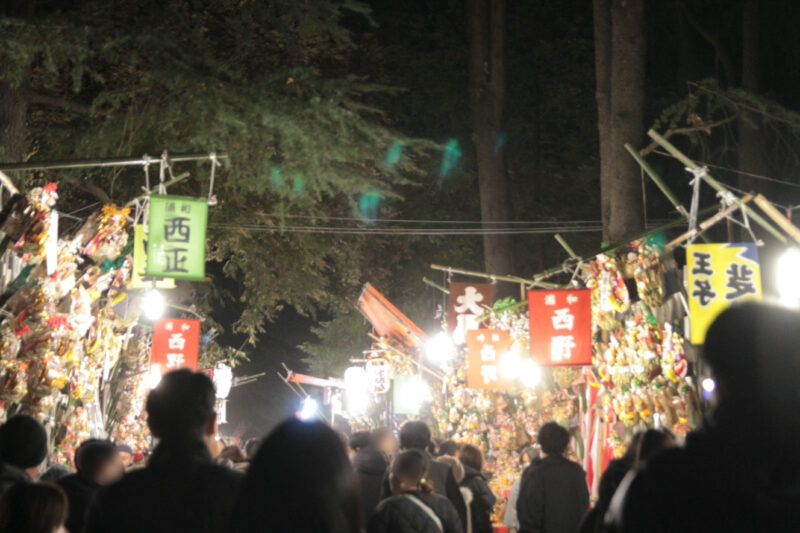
column 94, row 190
column 60, row 102
column 691, row 129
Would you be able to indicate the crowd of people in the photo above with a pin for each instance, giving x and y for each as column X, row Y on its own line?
column 740, row 472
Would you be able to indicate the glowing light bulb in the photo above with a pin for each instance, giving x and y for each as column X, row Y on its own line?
column 309, row 409
column 788, row 274
column 153, row 305
column 531, row 373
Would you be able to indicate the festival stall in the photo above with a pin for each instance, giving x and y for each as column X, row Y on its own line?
column 606, row 348
column 73, row 353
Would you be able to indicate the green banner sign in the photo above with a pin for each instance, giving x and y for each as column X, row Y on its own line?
column 176, row 240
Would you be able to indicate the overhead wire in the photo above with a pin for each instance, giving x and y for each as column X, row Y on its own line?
column 737, row 171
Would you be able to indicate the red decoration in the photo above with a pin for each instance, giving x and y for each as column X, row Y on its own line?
column 485, row 349
column 176, row 343
column 561, row 327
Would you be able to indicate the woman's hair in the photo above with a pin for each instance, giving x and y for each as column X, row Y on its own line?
column 633, row 446
column 471, row 456
column 33, row 508
column 233, row 454
column 300, row 481
column 531, row 453
column 411, row 466
column 651, row 443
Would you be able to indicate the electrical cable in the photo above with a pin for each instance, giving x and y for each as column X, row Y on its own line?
column 736, row 171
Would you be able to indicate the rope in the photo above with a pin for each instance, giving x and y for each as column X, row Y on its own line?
column 212, row 199
column 162, row 189
column 699, row 174
column 147, row 163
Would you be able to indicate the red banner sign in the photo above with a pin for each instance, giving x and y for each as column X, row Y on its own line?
column 468, row 302
column 561, row 327
column 176, row 343
column 485, row 348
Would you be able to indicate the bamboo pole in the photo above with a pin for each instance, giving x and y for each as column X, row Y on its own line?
column 680, row 156
column 6, row 182
column 389, row 348
column 566, row 246
column 706, row 223
column 110, row 162
column 173, row 181
column 510, row 279
column 435, row 285
column 657, row 180
column 777, row 217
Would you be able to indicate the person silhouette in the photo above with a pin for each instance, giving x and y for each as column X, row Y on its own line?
column 741, row 471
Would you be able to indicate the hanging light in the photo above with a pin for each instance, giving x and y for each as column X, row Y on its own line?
column 356, row 387
column 153, row 304
column 510, row 365
column 440, row 348
column 531, row 373
column 223, row 380
column 788, row 274
column 309, row 409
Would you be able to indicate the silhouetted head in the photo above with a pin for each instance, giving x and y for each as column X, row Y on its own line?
column 99, row 461
column 553, row 439
column 33, row 508
column 23, row 443
column 233, row 454
column 633, row 446
column 358, row 440
column 753, row 350
column 448, row 447
column 383, row 440
column 300, row 481
column 408, row 472
column 251, row 448
column 415, row 435
column 471, row 456
column 182, row 406
column 652, row 442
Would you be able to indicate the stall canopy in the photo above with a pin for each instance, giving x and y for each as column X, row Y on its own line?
column 388, row 320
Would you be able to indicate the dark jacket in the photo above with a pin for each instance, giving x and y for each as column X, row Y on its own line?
column 440, row 476
column 371, row 466
column 11, row 475
column 609, row 482
column 553, row 496
column 482, row 500
column 80, row 492
column 399, row 514
column 716, row 483
column 181, row 490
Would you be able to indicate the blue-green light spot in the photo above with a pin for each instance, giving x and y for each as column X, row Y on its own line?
column 394, row 153
column 275, row 177
column 452, row 153
column 299, row 184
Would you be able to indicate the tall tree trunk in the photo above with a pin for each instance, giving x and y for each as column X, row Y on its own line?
column 13, row 113
column 626, row 217
column 602, row 64
column 750, row 143
column 487, row 93
column 620, row 73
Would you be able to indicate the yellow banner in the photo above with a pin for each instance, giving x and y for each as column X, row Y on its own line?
column 140, row 262
column 719, row 275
